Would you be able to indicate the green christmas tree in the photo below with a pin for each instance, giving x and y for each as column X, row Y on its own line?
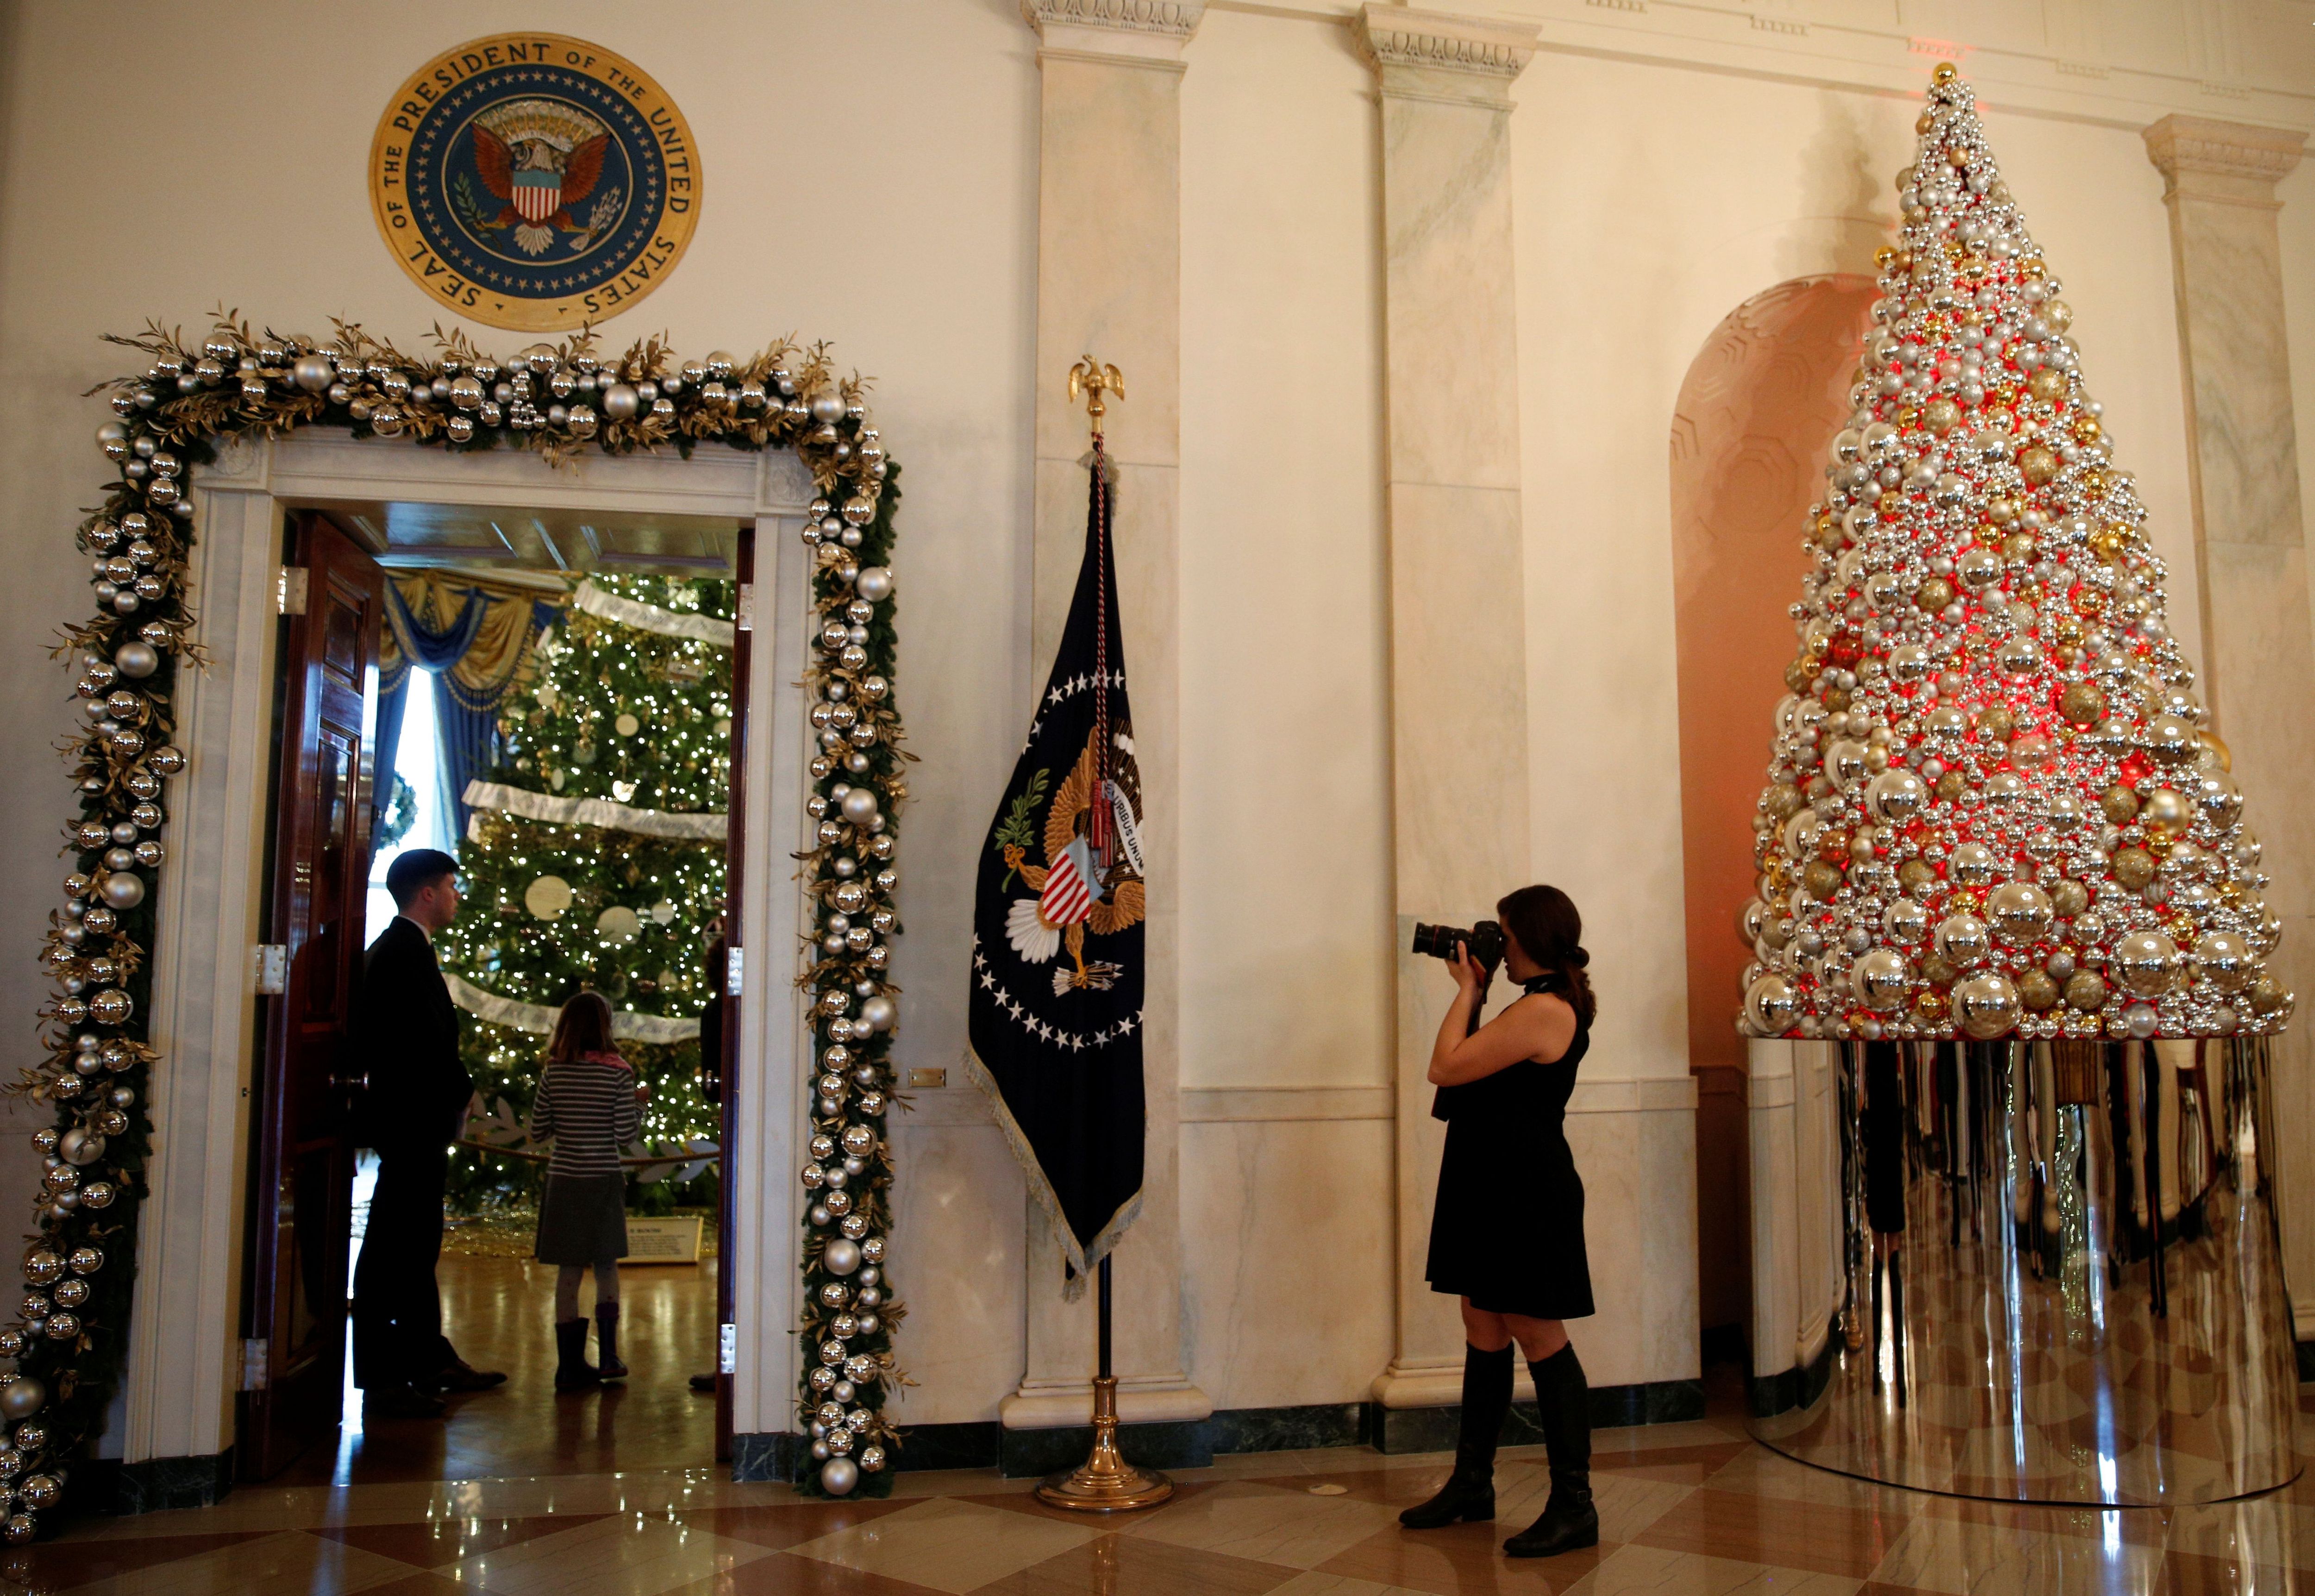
column 640, row 719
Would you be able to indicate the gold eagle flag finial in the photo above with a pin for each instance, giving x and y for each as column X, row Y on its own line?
column 1091, row 378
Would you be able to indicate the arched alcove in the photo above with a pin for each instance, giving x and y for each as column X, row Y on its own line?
column 1759, row 403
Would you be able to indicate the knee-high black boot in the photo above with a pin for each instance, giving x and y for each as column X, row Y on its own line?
column 607, row 1342
column 1469, row 1492
column 1563, row 1400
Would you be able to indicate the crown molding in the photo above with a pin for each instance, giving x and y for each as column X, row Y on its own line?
column 2201, row 147
column 1402, row 37
column 1138, row 30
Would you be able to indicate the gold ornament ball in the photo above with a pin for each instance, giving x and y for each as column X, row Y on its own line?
column 2227, row 959
column 2133, row 867
column 2085, row 991
column 1820, row 881
column 1941, row 415
column 2069, row 897
column 2170, row 739
column 2037, row 991
column 2082, row 703
column 2147, row 962
column 2038, row 464
column 1985, row 1005
column 2046, row 384
column 2120, row 804
column 1934, row 594
column 2168, row 808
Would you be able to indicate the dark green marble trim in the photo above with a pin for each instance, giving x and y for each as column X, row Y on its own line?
column 1021, row 1454
column 1797, row 1387
column 108, row 1486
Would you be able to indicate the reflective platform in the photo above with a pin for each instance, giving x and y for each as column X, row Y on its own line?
column 2064, row 1275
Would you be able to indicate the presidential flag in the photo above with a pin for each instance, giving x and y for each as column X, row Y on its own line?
column 1055, row 1016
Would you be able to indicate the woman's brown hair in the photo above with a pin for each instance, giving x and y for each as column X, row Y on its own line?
column 584, row 1026
column 1544, row 922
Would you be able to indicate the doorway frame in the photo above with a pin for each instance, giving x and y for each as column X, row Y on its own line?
column 185, row 1362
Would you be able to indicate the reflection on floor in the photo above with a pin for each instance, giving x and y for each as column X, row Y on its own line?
column 499, row 1313
column 1686, row 1510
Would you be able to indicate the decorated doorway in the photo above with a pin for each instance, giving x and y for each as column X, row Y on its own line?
column 173, row 962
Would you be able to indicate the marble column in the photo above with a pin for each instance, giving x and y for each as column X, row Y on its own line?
column 1108, row 283
column 1458, row 618
column 2250, row 553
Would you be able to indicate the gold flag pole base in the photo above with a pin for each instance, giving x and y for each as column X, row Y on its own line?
column 1106, row 1482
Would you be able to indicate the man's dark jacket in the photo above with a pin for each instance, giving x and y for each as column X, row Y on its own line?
column 404, row 1036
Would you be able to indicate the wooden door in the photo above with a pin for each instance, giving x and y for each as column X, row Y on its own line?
column 300, row 1207
column 741, row 959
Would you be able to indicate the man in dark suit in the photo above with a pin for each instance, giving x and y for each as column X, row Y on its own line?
column 405, row 1034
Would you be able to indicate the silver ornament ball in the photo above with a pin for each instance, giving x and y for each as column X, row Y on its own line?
column 22, row 1398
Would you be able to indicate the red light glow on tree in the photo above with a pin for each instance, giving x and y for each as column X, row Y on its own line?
column 1993, row 807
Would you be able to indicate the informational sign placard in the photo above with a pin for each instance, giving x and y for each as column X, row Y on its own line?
column 663, row 1240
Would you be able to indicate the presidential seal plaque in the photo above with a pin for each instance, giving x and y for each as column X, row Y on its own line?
column 533, row 182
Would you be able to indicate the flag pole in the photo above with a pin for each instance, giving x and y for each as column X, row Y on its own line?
column 1104, row 1482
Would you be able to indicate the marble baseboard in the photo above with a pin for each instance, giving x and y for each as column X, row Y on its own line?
column 108, row 1486
column 1434, row 1429
column 765, row 1459
column 1287, row 1428
column 1027, row 1454
column 1797, row 1387
column 1022, row 1453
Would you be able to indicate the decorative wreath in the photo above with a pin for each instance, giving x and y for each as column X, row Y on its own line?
column 68, row 1335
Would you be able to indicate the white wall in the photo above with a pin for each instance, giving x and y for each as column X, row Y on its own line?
column 871, row 178
column 1286, row 910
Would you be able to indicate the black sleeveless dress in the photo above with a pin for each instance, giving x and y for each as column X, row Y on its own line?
column 1507, row 1231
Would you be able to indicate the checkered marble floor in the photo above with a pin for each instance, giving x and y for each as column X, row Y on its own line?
column 1686, row 1510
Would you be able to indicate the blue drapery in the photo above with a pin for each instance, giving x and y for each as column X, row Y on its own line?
column 470, row 682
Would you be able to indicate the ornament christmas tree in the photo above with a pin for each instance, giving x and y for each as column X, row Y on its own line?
column 641, row 718
column 1993, row 806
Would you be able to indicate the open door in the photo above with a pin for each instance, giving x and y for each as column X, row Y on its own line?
column 300, row 1203
column 735, row 855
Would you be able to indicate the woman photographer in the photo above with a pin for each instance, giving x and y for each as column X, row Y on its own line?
column 1507, row 1231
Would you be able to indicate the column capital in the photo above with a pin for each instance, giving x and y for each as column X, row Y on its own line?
column 1149, row 30
column 2237, row 161
column 1437, row 54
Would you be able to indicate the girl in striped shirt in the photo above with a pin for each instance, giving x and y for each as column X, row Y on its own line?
column 588, row 1105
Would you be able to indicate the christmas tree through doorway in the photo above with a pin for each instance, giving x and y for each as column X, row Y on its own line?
column 594, row 860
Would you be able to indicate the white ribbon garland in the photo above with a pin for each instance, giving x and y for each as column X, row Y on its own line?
column 650, row 617
column 597, row 811
column 539, row 1020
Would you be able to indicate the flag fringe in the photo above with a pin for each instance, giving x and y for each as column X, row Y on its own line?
column 1081, row 1261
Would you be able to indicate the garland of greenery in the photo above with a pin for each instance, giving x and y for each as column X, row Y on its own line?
column 69, row 1334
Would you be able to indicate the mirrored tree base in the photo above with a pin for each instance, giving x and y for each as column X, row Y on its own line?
column 2065, row 1280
